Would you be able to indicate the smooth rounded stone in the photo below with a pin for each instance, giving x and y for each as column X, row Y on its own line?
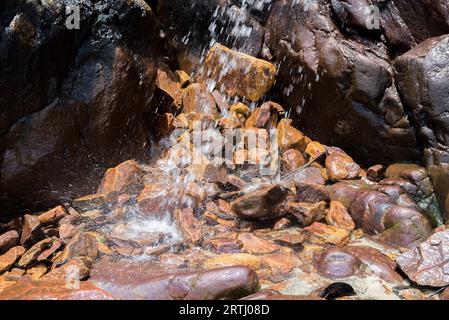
column 31, row 231
column 52, row 216
column 54, row 290
column 344, row 193
column 369, row 209
column 338, row 216
column 255, row 245
column 8, row 259
column 406, row 227
column 427, row 264
column 238, row 74
column 260, row 203
column 138, row 282
column 377, row 262
column 337, row 263
column 341, row 167
column 118, row 179
column 8, row 240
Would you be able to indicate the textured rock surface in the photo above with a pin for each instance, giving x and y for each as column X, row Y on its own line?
column 72, row 102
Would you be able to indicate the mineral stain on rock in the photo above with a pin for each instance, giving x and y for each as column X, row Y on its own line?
column 204, row 150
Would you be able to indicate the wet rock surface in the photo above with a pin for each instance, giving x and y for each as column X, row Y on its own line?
column 308, row 203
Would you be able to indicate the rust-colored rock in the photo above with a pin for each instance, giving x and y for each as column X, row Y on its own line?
column 315, row 149
column 189, row 226
column 31, row 255
column 292, row 159
column 82, row 245
column 117, row 179
column 260, row 203
column 234, row 259
column 31, row 231
column 323, row 234
column 307, row 213
column 8, row 259
column 255, row 245
column 290, row 137
column 427, row 264
column 224, row 244
column 195, row 98
column 8, row 240
column 52, row 216
column 338, row 216
column 238, row 74
column 341, row 166
column 53, row 291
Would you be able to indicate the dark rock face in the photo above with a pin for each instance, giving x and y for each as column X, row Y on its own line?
column 72, row 102
column 338, row 83
column 423, row 76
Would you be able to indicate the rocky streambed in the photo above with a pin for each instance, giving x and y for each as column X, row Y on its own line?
column 317, row 222
column 235, row 201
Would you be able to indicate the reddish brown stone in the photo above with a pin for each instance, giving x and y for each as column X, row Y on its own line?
column 8, row 259
column 8, row 240
column 323, row 234
column 292, row 159
column 52, row 216
column 117, row 179
column 282, row 223
column 31, row 255
column 307, row 213
column 341, row 167
column 189, row 226
column 32, row 231
column 234, row 259
column 53, row 291
column 375, row 173
column 311, row 193
column 82, row 245
column 336, row 263
column 338, row 216
column 255, row 245
column 309, row 176
column 445, row 294
column 260, row 203
column 224, row 244
column 195, row 98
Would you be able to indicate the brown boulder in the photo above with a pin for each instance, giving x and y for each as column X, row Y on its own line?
column 8, row 259
column 238, row 74
column 31, row 255
column 292, row 159
column 338, row 216
column 117, row 179
column 31, row 231
column 307, row 213
column 341, row 167
column 52, row 216
column 226, row 283
column 8, row 240
column 196, row 98
column 323, row 234
column 260, row 203
column 82, row 245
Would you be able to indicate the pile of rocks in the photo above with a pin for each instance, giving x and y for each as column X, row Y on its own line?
column 319, row 218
